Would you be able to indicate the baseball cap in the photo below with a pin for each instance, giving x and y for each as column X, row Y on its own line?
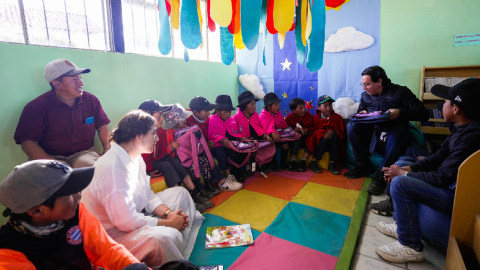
column 152, row 105
column 61, row 67
column 466, row 94
column 33, row 182
column 199, row 103
column 324, row 98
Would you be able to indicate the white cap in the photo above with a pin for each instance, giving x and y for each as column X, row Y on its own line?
column 60, row 67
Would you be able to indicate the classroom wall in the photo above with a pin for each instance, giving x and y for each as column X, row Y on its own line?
column 120, row 81
column 420, row 33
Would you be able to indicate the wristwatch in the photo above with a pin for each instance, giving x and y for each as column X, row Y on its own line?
column 166, row 213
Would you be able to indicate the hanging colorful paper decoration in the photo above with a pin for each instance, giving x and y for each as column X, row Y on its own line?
column 239, row 21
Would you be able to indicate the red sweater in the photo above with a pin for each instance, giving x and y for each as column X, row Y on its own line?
column 159, row 151
column 306, row 122
column 203, row 126
column 334, row 122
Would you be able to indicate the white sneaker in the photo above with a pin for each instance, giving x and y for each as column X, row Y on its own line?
column 398, row 253
column 230, row 185
column 231, row 177
column 389, row 229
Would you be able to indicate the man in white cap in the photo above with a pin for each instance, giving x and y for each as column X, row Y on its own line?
column 48, row 226
column 60, row 124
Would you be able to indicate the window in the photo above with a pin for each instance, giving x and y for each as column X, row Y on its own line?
column 62, row 23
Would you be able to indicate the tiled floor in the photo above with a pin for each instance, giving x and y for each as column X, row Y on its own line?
column 370, row 238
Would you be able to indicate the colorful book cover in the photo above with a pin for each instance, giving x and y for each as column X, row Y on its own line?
column 229, row 236
column 212, row 267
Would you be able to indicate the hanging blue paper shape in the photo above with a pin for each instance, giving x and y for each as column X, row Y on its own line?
column 316, row 43
column 298, row 34
column 190, row 25
column 263, row 19
column 226, row 46
column 164, row 40
column 186, row 58
column 250, row 11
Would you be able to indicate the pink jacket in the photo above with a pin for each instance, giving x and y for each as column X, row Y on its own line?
column 271, row 122
column 191, row 147
column 217, row 129
column 244, row 124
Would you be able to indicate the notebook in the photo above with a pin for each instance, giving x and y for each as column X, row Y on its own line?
column 229, row 236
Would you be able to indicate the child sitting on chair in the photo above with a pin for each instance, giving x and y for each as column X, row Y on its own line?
column 302, row 121
column 222, row 128
column 201, row 109
column 272, row 119
column 163, row 160
column 329, row 134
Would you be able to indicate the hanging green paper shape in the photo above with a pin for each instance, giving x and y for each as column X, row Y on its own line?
column 263, row 20
column 190, row 25
column 164, row 40
column 316, row 43
column 226, row 46
column 298, row 34
column 250, row 11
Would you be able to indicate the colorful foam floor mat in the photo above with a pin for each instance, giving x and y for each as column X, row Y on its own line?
column 300, row 220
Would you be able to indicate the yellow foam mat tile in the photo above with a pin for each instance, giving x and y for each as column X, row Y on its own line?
column 248, row 207
column 333, row 199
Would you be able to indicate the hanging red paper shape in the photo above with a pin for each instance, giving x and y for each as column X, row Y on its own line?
column 169, row 7
column 211, row 23
column 270, row 27
column 293, row 27
column 334, row 3
column 234, row 26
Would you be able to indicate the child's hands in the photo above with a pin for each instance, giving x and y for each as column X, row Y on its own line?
column 298, row 129
column 177, row 220
column 268, row 138
column 275, row 136
column 225, row 142
column 155, row 173
column 329, row 134
column 242, row 139
column 211, row 144
column 173, row 145
column 305, row 132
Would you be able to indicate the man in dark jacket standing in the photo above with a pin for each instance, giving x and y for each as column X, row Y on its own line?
column 432, row 181
column 390, row 137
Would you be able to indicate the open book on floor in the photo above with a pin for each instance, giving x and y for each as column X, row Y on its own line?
column 211, row 267
column 229, row 236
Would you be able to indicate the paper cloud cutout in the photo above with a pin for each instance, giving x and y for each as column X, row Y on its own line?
column 348, row 39
column 252, row 84
column 346, row 107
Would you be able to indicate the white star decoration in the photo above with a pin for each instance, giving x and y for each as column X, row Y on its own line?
column 286, row 65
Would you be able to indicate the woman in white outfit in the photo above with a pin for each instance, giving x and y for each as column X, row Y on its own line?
column 155, row 228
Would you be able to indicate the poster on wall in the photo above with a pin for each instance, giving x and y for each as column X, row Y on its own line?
column 466, row 40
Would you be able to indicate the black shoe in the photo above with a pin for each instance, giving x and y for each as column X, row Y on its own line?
column 211, row 188
column 302, row 165
column 206, row 194
column 265, row 169
column 292, row 166
column 249, row 173
column 200, row 207
column 313, row 166
column 383, row 208
column 199, row 198
column 378, row 185
column 284, row 165
column 275, row 167
column 333, row 169
column 359, row 171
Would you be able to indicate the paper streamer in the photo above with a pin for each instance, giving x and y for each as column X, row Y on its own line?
column 308, row 29
column 221, row 12
column 281, row 39
column 238, row 41
column 316, row 42
column 169, row 7
column 186, row 58
column 263, row 20
column 226, row 46
column 251, row 10
column 283, row 14
column 200, row 19
column 234, row 26
column 298, row 34
column 304, row 13
column 175, row 14
column 165, row 39
column 211, row 23
column 270, row 27
column 190, row 33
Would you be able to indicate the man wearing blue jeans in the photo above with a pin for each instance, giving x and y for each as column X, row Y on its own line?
column 390, row 137
column 431, row 181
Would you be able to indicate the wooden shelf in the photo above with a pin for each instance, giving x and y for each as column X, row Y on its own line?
column 437, row 120
column 435, row 130
column 430, row 96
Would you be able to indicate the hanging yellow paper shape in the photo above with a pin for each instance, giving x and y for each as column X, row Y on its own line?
column 175, row 14
column 337, row 8
column 308, row 30
column 201, row 21
column 281, row 39
column 221, row 12
column 238, row 40
column 304, row 21
column 283, row 14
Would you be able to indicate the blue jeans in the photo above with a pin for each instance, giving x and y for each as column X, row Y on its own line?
column 407, row 192
column 360, row 137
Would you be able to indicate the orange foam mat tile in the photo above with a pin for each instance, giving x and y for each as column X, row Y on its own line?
column 276, row 186
column 328, row 179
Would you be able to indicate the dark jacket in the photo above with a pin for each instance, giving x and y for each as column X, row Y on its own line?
column 394, row 96
column 441, row 168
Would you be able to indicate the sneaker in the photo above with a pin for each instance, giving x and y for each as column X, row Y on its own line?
column 200, row 207
column 313, row 166
column 378, row 185
column 230, row 185
column 211, row 188
column 275, row 167
column 199, row 198
column 333, row 169
column 241, row 177
column 265, row 169
column 249, row 172
column 389, row 229
column 207, row 194
column 301, row 167
column 398, row 253
column 292, row 166
column 358, row 172
column 383, row 208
